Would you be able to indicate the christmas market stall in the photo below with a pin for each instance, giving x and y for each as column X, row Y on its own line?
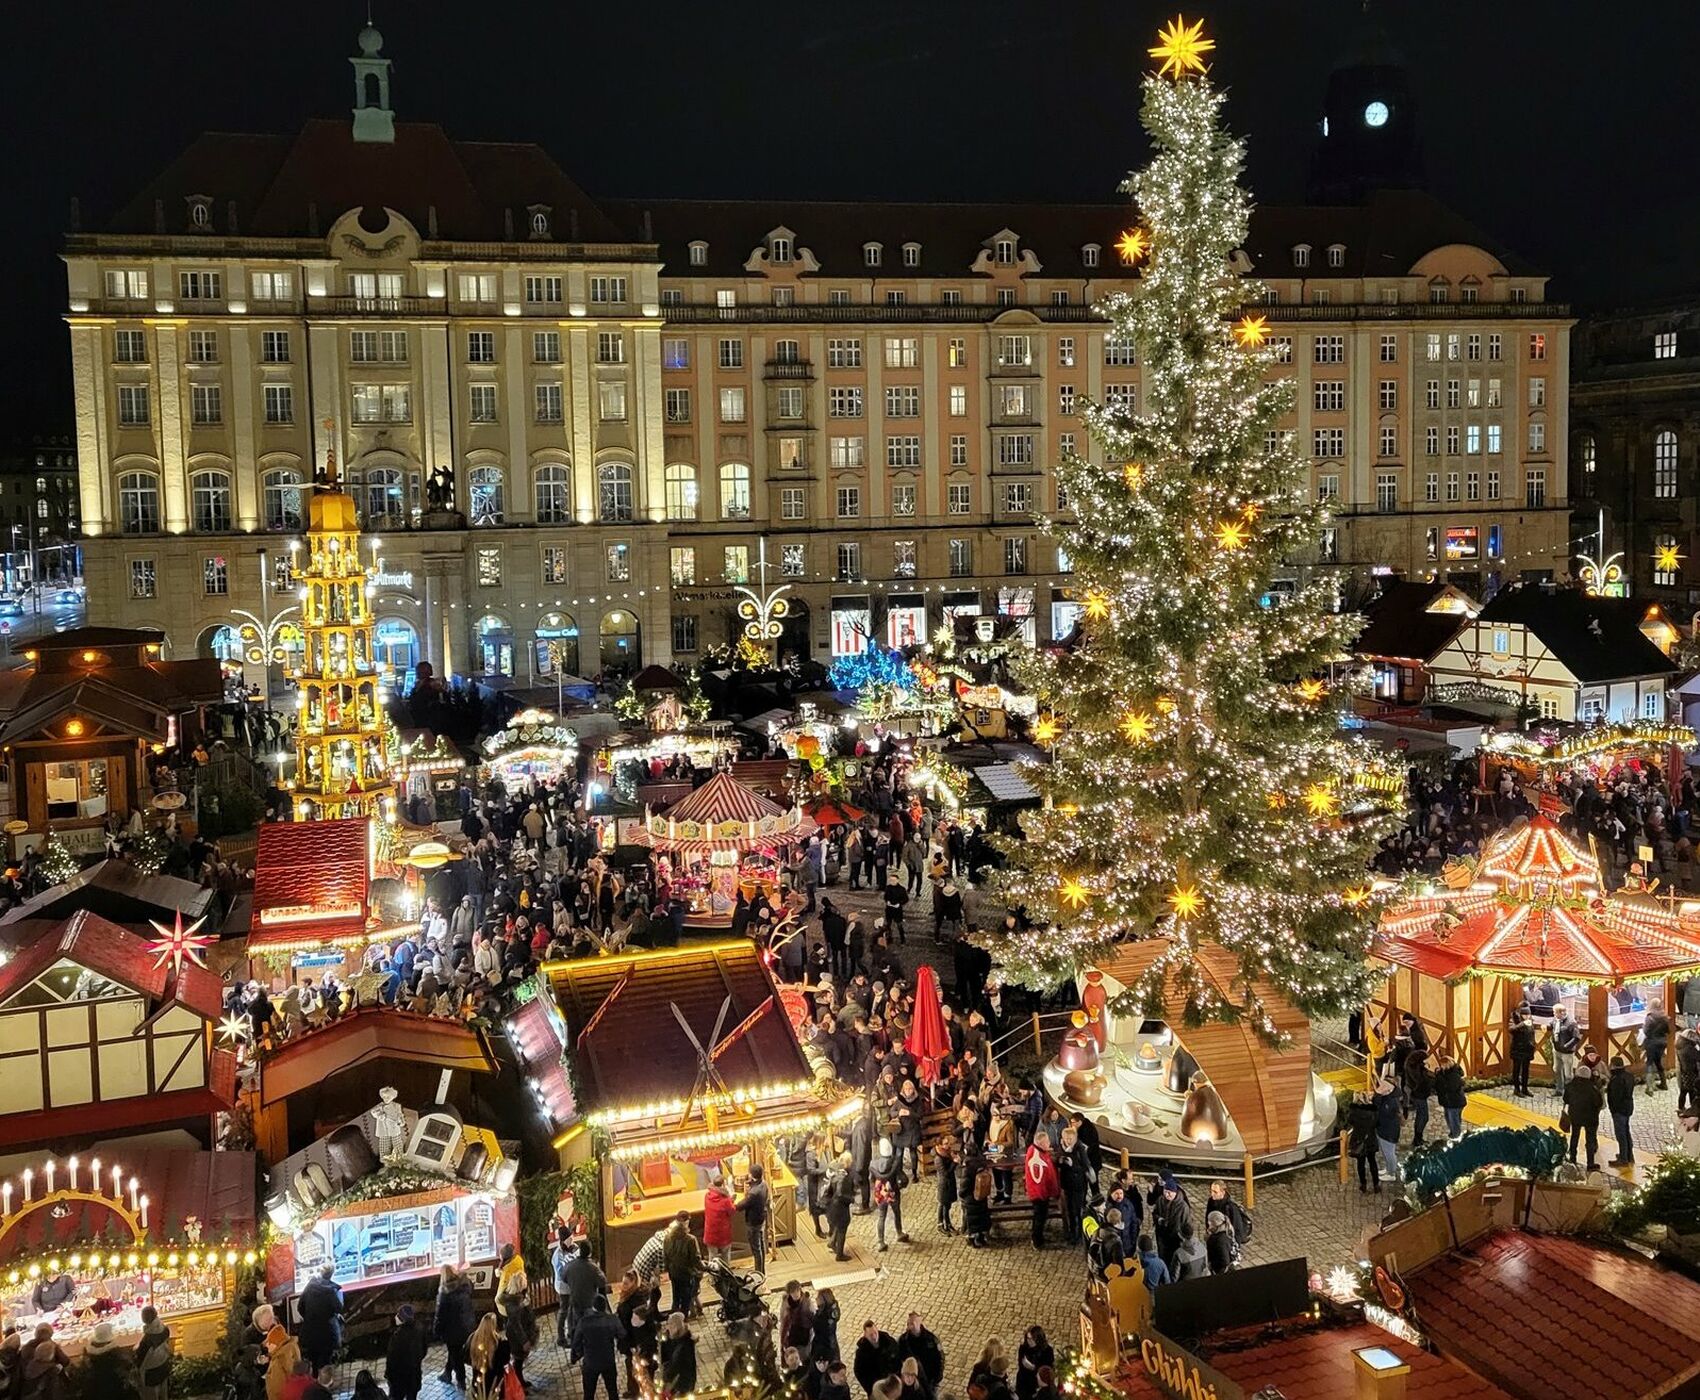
column 722, row 840
column 104, row 1034
column 533, row 744
column 391, row 1196
column 1598, row 750
column 86, row 1240
column 429, row 772
column 312, row 898
column 666, row 1067
column 1530, row 920
column 114, row 889
column 1215, row 1094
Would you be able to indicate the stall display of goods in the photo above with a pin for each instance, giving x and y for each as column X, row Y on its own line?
column 410, row 1239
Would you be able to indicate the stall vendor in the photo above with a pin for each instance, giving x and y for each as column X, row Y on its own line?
column 50, row 1294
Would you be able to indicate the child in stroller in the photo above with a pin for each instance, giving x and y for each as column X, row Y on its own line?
column 739, row 1290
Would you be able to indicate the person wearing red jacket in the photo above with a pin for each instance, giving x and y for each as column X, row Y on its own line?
column 717, row 1220
column 1043, row 1185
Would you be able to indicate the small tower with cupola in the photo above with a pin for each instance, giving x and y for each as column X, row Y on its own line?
column 1369, row 136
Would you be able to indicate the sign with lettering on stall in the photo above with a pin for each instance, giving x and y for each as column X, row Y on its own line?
column 1177, row 1372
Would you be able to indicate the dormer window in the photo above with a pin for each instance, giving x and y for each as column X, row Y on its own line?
column 699, row 254
column 911, row 254
column 871, row 254
column 200, row 211
column 1301, row 255
column 1089, row 255
column 539, row 220
column 779, row 249
column 1336, row 254
column 1438, row 291
column 1003, row 251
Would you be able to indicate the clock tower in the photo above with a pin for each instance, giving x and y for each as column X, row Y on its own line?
column 1369, row 125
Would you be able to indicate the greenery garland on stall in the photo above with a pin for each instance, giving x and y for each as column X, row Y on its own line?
column 538, row 1196
column 1441, row 1168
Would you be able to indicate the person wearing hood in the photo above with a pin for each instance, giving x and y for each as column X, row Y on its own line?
column 153, row 1356
column 1156, row 1271
column 888, row 1183
column 404, row 1356
column 1583, row 1100
column 1190, row 1259
column 1170, row 1209
column 1620, row 1100
column 453, row 1322
column 107, row 1370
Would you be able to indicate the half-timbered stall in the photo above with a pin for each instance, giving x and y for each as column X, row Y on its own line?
column 1530, row 920
column 1602, row 751
column 104, row 1033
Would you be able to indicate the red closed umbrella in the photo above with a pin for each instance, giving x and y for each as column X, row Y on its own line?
column 929, row 1042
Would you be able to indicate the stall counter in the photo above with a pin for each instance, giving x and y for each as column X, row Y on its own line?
column 624, row 1235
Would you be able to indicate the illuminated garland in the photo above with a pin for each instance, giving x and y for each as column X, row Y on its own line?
column 86, row 1262
column 1596, row 739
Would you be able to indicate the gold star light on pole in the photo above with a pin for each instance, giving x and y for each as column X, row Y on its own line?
column 1134, row 475
column 1180, row 48
column 1132, row 245
column 1252, row 332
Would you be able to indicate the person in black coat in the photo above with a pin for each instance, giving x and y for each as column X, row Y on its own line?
column 1620, row 1102
column 1074, row 1170
column 841, row 1192
column 1087, row 1132
column 1034, row 1353
column 1419, row 1089
column 876, row 1357
column 678, row 1356
column 1655, row 1041
column 453, row 1323
column 919, row 1342
column 404, row 1356
column 1583, row 1100
column 320, row 1307
column 944, row 1170
column 1522, row 1053
column 596, row 1343
column 1170, row 1209
column 823, row 1330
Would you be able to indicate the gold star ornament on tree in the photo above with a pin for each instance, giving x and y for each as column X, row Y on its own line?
column 1134, row 475
column 1136, row 727
column 1311, row 689
column 1074, row 892
column 1231, row 536
column 1180, row 48
column 1132, row 246
column 1185, row 900
column 1252, row 332
column 1097, row 605
column 1046, row 729
column 1321, row 801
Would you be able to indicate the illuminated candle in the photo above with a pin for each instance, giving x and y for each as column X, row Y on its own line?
column 144, row 1212
column 117, row 1183
column 94, row 1175
column 72, row 1164
column 5, row 1198
column 48, row 1170
column 132, row 1193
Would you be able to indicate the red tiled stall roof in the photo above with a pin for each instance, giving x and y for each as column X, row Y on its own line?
column 216, row 1188
column 636, row 1053
column 319, row 864
column 1548, row 1318
column 531, row 1032
column 1315, row 1363
column 116, row 954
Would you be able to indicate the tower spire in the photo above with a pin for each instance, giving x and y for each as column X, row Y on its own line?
column 373, row 119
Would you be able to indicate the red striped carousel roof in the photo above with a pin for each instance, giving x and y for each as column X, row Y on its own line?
column 723, row 799
column 1533, row 907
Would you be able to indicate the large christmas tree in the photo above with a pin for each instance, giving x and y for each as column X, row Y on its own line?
column 1201, row 788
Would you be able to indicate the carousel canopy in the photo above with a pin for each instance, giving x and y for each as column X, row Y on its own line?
column 1532, row 907
column 724, row 814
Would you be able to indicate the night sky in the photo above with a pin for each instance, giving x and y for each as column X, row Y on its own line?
column 1569, row 130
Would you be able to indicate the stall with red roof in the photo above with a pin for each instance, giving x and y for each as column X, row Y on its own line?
column 312, row 905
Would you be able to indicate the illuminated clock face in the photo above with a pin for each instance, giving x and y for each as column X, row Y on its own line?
column 1375, row 114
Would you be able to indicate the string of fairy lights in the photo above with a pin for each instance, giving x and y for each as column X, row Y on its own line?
column 1201, row 787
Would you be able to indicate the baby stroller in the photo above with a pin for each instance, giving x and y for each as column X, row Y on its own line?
column 739, row 1290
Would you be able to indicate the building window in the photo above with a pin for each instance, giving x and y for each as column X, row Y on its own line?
column 1015, row 351
column 543, row 289
column 1301, row 255
column 144, row 582
column 902, row 352
column 844, row 354
column 1330, row 395
column 903, row 499
column 1472, row 486
column 1537, row 346
column 206, row 404
column 274, row 347
column 1328, row 545
column 1493, row 392
column 279, row 404
column 487, row 495
column 1015, row 450
column 1535, row 488
column 1431, row 440
column 483, row 403
column 959, row 497
column 731, row 354
column 903, row 558
column 478, row 287
column 903, row 451
column 611, row 400
column 138, row 503
column 849, row 502
column 608, row 291
column 1493, row 438
column 280, row 499
column 200, row 286
column 1015, row 555
column 133, row 405
column 1386, row 492
column 1588, row 455
column 847, row 453
column 1003, row 251
column 1451, row 486
column 1065, row 352
column 961, row 557
column 1537, row 437
column 1664, row 345
column 1473, row 439
column 619, row 562
column 383, row 403
column 1336, row 255
column 209, row 499
column 554, row 564
column 735, row 563
column 1328, row 442
column 681, row 486
column 1665, row 560
column 733, row 404
column 684, row 633
column 1389, row 393
column 734, row 491
column 850, row 561
column 1431, row 488
column 1119, row 350
column 127, row 284
column 1065, row 400
column 1664, row 463
column 792, row 558
column 489, row 568
column 610, row 348
column 215, row 577
column 1389, row 440
column 614, row 492
column 790, row 454
column 553, row 495
column 844, row 401
column 682, row 565
column 1389, row 349
column 699, row 254
column 792, row 502
column 1493, row 486
column 130, row 347
column 548, row 398
column 1282, row 346
column 1089, row 255
column 1018, row 497
column 959, row 449
column 1330, row 350
column 1328, row 486
column 950, row 296
column 870, row 255
column 903, row 401
column 677, row 405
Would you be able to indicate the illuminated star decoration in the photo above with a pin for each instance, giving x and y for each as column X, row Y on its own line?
column 1136, row 726
column 1180, row 47
column 1321, row 800
column 1165, row 705
column 1074, row 891
column 1132, row 245
column 1134, row 474
column 1277, row 800
column 1185, row 900
column 1251, row 331
column 1046, row 729
column 1358, row 894
column 1097, row 605
column 1252, row 509
column 1312, row 689
column 233, row 1029
column 176, row 943
column 1230, row 536
column 1665, row 559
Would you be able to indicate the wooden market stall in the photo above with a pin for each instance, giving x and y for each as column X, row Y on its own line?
column 725, row 838
column 312, row 899
column 533, row 744
column 89, row 1240
column 429, row 774
column 1598, row 749
column 668, row 1066
column 1530, row 918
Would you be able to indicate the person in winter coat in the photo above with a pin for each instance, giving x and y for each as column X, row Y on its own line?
column 1363, row 1140
column 1189, row 1259
column 108, row 1370
column 977, row 1208
column 1566, row 1041
column 1620, row 1101
column 1583, row 1099
column 1219, row 1246
column 482, row 1351
column 678, row 1356
column 1220, row 1203
column 1688, row 1065
column 320, row 1307
column 1449, row 1093
column 1655, row 1041
column 584, row 1280
column 1074, row 1172
column 1419, row 1089
column 1522, row 1053
column 842, row 1191
column 404, row 1356
column 815, row 1166
column 717, row 1207
column 153, row 1356
column 1043, row 1185
column 1389, row 1115
column 453, row 1323
column 823, row 1339
column 1033, row 1355
column 889, row 1181
column 796, row 1318
column 918, row 1343
column 912, row 1385
column 755, row 1206
column 1170, row 1209
column 1156, row 1271
column 519, row 1326
column 876, row 1356
column 683, row 1258
column 596, row 1344
column 944, row 1172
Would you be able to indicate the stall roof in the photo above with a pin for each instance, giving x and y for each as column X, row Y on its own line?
column 531, row 1032
column 215, row 1188
column 1558, row 1318
column 724, row 798
column 1005, row 783
column 311, row 865
column 637, row 1053
column 117, row 891
column 373, row 1033
column 117, row 954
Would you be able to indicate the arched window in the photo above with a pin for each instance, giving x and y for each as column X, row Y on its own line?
column 681, row 492
column 614, row 492
column 381, row 497
column 280, row 499
column 209, row 501
column 735, row 491
column 487, row 495
column 557, row 637
column 495, row 646
column 554, row 505
column 138, row 503
column 1664, row 462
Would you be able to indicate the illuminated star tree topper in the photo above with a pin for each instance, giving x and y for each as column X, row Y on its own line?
column 176, row 943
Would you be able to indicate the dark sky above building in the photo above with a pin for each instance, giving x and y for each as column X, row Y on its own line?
column 1570, row 130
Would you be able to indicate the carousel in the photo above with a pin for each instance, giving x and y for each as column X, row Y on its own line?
column 1530, row 920
column 533, row 744
column 1195, row 1096
column 723, row 840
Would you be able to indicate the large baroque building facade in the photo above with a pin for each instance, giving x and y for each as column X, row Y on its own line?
column 645, row 405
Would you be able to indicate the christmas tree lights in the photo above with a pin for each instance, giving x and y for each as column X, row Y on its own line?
column 1202, row 789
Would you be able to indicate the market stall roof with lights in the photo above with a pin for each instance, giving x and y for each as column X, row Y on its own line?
column 633, row 1032
column 533, row 742
column 1532, row 908
column 312, row 885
